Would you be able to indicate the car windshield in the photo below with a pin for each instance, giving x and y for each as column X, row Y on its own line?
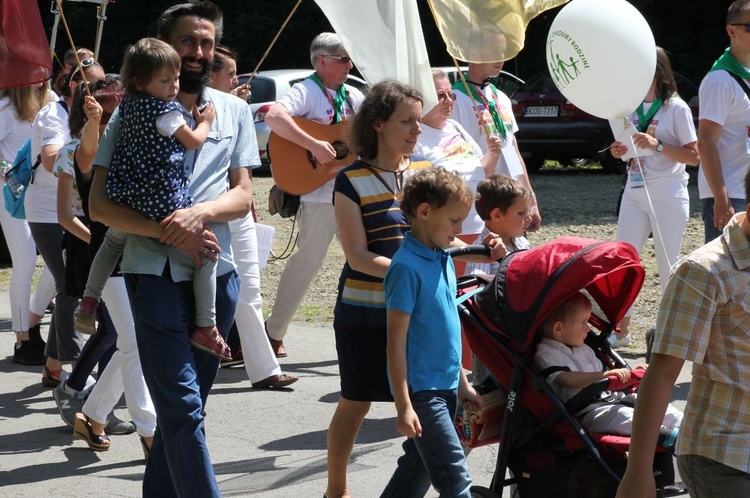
column 541, row 83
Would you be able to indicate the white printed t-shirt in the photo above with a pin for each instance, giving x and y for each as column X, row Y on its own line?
column 463, row 112
column 455, row 150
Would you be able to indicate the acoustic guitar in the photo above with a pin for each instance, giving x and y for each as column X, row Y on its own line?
column 295, row 170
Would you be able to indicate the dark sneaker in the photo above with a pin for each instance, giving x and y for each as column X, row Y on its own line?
column 27, row 354
column 68, row 403
column 85, row 314
column 35, row 336
column 118, row 427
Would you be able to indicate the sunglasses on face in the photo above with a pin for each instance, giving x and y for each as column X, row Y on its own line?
column 446, row 96
column 743, row 24
column 344, row 59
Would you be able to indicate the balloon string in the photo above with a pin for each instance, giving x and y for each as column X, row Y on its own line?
column 73, row 46
column 655, row 226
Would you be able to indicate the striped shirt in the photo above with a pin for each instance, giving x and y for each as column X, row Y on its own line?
column 361, row 298
column 704, row 317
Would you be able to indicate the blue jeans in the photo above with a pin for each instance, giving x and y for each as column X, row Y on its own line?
column 710, row 232
column 179, row 379
column 437, row 456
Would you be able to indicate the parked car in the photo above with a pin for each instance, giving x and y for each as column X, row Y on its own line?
column 266, row 88
column 552, row 127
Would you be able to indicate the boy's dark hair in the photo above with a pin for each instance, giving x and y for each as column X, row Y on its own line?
column 436, row 186
column 143, row 60
column 564, row 311
column 498, row 191
column 380, row 103
column 201, row 9
column 106, row 91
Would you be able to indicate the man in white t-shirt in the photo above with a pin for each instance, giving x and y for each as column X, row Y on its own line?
column 496, row 118
column 724, row 126
column 323, row 98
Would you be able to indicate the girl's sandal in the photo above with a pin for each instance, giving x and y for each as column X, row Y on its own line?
column 50, row 378
column 84, row 431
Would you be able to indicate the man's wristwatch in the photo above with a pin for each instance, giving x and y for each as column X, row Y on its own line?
column 660, row 147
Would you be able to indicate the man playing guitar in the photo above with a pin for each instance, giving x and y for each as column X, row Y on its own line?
column 324, row 98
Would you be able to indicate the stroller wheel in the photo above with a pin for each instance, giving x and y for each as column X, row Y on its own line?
column 481, row 492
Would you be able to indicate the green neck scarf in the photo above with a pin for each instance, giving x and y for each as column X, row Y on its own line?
column 729, row 63
column 645, row 119
column 477, row 97
column 337, row 102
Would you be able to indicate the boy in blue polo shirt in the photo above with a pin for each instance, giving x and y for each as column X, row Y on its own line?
column 424, row 339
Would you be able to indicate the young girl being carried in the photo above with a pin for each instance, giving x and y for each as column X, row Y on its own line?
column 148, row 174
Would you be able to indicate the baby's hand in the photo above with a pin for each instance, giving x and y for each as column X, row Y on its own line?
column 206, row 116
column 621, row 373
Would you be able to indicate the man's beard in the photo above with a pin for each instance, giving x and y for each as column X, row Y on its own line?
column 193, row 82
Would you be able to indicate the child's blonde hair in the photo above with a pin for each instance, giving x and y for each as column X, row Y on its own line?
column 565, row 311
column 436, row 186
column 143, row 60
column 498, row 191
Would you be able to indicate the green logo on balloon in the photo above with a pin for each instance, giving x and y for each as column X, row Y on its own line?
column 566, row 60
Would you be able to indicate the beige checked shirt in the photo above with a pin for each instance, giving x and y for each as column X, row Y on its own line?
column 704, row 317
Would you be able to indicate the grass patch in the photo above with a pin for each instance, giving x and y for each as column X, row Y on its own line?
column 314, row 313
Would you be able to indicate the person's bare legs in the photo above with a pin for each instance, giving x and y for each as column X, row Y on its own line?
column 342, row 433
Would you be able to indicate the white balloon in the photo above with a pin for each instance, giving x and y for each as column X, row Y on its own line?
column 602, row 56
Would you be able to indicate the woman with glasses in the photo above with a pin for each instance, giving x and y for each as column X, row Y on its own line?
column 655, row 199
column 49, row 133
column 444, row 142
column 18, row 106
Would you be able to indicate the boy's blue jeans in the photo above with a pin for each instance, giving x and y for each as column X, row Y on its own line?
column 437, row 457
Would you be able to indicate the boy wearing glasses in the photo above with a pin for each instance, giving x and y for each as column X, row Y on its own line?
column 325, row 98
column 724, row 124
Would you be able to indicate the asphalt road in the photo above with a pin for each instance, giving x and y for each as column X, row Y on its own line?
column 263, row 443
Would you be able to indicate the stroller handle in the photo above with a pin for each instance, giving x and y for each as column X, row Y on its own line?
column 469, row 250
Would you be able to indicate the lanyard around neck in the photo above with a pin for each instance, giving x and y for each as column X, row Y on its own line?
column 478, row 95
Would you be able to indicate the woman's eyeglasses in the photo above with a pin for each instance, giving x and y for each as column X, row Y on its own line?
column 446, row 96
column 344, row 59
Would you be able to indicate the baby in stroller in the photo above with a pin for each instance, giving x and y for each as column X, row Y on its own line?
column 569, row 366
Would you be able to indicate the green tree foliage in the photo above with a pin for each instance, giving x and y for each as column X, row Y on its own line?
column 691, row 31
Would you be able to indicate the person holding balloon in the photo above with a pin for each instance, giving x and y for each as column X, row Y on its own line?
column 655, row 199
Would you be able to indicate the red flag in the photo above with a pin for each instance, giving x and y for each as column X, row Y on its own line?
column 24, row 52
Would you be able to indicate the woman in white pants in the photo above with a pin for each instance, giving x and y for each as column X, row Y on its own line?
column 18, row 106
column 655, row 199
column 123, row 372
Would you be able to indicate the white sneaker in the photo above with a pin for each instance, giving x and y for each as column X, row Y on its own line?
column 620, row 343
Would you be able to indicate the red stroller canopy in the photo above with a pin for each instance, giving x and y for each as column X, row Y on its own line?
column 530, row 284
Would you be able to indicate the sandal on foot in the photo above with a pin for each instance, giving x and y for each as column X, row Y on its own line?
column 83, row 430
column 51, row 378
column 209, row 340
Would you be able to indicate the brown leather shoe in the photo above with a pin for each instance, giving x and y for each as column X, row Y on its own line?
column 277, row 346
column 276, row 381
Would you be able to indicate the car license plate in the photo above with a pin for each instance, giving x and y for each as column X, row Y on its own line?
column 541, row 111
